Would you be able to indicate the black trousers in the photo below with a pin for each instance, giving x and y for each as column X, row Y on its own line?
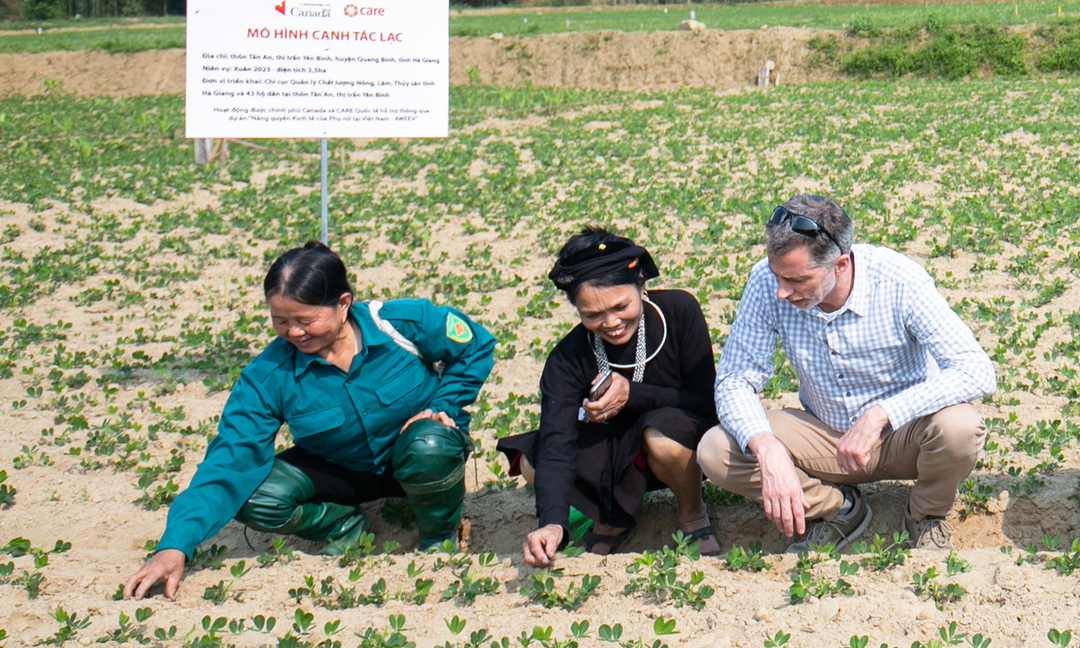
column 334, row 483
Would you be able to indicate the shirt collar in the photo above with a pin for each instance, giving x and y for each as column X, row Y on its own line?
column 859, row 297
column 369, row 333
column 858, row 301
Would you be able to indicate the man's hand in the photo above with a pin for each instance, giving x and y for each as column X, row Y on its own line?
column 441, row 417
column 167, row 564
column 540, row 546
column 610, row 403
column 781, row 490
column 853, row 449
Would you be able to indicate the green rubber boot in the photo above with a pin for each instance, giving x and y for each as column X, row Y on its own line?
column 279, row 505
column 429, row 462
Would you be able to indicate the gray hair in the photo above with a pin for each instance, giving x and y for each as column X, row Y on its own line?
column 781, row 239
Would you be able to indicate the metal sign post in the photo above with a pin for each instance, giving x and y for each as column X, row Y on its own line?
column 322, row 194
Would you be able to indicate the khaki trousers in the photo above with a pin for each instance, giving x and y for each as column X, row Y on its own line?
column 938, row 451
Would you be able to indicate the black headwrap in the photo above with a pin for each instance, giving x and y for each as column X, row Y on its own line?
column 611, row 257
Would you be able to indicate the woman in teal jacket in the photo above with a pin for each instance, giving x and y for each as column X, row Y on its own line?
column 374, row 396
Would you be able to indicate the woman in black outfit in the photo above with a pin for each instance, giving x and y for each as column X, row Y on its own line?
column 601, row 454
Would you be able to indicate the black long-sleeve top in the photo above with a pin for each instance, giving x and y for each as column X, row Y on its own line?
column 681, row 375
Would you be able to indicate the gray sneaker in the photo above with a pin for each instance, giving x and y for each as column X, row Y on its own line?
column 931, row 533
column 839, row 531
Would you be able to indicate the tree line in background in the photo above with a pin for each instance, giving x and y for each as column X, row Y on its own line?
column 52, row 9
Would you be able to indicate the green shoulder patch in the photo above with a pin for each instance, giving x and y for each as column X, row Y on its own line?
column 457, row 330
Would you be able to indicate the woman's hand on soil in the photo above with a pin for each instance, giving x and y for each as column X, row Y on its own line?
column 441, row 417
column 541, row 545
column 610, row 403
column 167, row 564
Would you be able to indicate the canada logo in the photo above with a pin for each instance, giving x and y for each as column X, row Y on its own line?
column 280, row 7
column 351, row 10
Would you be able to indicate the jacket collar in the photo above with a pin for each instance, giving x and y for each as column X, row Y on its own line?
column 370, row 335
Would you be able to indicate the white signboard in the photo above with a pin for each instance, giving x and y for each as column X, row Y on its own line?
column 337, row 68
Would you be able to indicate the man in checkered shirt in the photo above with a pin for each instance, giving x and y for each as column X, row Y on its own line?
column 887, row 373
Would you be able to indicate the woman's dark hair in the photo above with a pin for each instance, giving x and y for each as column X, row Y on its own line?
column 311, row 275
column 586, row 245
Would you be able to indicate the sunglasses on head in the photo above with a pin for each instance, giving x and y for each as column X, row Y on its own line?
column 801, row 225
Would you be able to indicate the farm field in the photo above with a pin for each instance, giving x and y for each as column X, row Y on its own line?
column 755, row 15
column 130, row 299
column 157, row 33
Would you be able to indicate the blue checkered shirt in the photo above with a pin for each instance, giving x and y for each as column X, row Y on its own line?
column 895, row 343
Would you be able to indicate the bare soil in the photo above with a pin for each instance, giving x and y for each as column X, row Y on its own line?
column 1013, row 604
column 600, row 60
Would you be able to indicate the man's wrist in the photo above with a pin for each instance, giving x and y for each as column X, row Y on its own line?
column 764, row 444
column 882, row 418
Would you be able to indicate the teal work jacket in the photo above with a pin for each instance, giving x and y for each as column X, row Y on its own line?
column 351, row 419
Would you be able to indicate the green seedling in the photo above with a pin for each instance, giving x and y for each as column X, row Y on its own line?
column 280, row 553
column 222, row 591
column 779, row 639
column 206, row 558
column 16, row 547
column 927, row 585
column 1068, row 561
column 7, row 492
column 661, row 579
column 1060, row 638
column 951, row 636
column 455, row 625
column 418, row 596
column 263, row 624
column 70, row 625
column 739, row 558
column 580, row 629
column 540, row 587
column 805, row 560
column 128, row 631
column 804, row 585
column 394, row 638
column 32, row 581
column 954, row 564
column 468, row 587
column 162, row 635
column 362, row 553
column 664, row 626
column 610, row 634
column 28, row 458
column 451, row 558
column 1030, row 554
column 884, row 556
column 161, row 495
column 974, row 497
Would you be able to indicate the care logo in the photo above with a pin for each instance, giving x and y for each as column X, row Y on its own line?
column 280, row 7
column 351, row 10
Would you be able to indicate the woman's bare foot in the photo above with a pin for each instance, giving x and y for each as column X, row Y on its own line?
column 604, row 540
column 700, row 529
